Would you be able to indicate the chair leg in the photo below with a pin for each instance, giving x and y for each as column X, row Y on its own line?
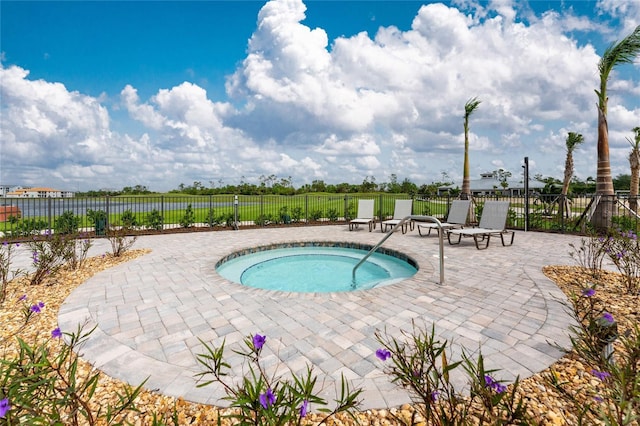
column 513, row 234
column 371, row 226
column 475, row 238
column 449, row 239
column 420, row 232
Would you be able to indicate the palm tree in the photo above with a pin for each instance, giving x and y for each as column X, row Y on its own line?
column 634, row 162
column 572, row 142
column 469, row 107
column 623, row 52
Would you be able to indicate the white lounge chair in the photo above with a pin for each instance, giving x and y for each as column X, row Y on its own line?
column 401, row 210
column 457, row 218
column 492, row 222
column 364, row 216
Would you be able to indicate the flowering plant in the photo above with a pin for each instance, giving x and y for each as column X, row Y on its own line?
column 261, row 399
column 420, row 363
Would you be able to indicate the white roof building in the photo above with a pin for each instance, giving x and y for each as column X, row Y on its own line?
column 489, row 184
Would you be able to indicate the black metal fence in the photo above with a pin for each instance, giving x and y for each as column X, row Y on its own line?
column 26, row 216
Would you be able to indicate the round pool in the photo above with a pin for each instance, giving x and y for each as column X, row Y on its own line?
column 315, row 267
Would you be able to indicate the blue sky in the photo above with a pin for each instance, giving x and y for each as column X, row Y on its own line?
column 113, row 94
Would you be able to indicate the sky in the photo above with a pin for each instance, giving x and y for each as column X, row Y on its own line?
column 108, row 94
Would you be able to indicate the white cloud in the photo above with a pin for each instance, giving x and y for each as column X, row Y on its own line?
column 313, row 108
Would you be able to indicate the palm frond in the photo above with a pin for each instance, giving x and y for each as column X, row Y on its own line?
column 471, row 106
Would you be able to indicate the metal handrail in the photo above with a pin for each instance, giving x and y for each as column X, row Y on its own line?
column 412, row 217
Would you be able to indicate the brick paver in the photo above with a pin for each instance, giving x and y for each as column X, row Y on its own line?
column 151, row 311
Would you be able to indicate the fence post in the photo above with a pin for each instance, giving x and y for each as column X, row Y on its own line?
column 261, row 216
column 380, row 213
column 346, row 207
column 162, row 211
column 49, row 218
column 306, row 208
column 107, row 208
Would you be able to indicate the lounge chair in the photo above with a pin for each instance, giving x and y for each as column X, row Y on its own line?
column 456, row 218
column 365, row 216
column 492, row 222
column 401, row 210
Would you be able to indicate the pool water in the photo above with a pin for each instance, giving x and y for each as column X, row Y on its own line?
column 315, row 269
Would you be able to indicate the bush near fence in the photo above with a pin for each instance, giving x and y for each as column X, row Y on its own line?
column 164, row 213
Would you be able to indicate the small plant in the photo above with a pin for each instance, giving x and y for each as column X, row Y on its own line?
column 264, row 400
column 296, row 214
column 189, row 217
column 6, row 273
column 128, row 219
column 26, row 227
column 120, row 240
column 263, row 220
column 48, row 254
column 420, row 363
column 623, row 249
column 37, row 387
column 211, row 219
column 154, row 220
column 67, row 223
column 230, row 220
column 75, row 249
column 333, row 215
column 315, row 215
column 351, row 211
column 617, row 400
column 590, row 253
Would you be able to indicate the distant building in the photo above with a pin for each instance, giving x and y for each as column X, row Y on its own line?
column 489, row 184
column 39, row 193
column 4, row 189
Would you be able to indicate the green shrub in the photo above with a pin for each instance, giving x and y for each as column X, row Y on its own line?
column 189, row 217
column 260, row 398
column 154, row 220
column 128, row 219
column 67, row 223
column 315, row 215
column 296, row 214
column 26, row 227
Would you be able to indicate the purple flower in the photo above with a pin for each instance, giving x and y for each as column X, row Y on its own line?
column 258, row 341
column 383, row 354
column 56, row 333
column 267, row 399
column 22, row 298
column 602, row 375
column 4, row 407
column 608, row 317
column 490, row 382
column 35, row 308
column 304, row 408
column 588, row 292
column 434, row 396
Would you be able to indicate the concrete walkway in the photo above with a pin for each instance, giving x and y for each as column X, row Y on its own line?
column 151, row 312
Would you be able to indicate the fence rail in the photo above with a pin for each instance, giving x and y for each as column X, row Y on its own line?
column 26, row 216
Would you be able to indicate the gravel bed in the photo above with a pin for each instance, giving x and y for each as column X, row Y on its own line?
column 544, row 402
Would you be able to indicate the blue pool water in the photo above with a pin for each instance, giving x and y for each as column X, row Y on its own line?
column 314, row 269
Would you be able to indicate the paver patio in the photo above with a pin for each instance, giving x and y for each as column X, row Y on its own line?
column 151, row 312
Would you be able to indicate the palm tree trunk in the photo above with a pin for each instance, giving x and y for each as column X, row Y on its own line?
column 634, row 159
column 563, row 205
column 605, row 210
